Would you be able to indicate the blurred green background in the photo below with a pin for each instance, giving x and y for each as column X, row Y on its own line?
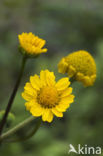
column 67, row 26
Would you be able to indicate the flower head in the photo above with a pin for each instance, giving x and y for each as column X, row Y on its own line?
column 31, row 45
column 45, row 97
column 80, row 65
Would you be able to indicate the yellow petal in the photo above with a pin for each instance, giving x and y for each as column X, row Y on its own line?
column 41, row 43
column 35, row 82
column 79, row 76
column 28, row 105
column 50, row 78
column 57, row 113
column 62, row 107
column 65, row 103
column 62, row 66
column 43, row 77
column 47, row 78
column 67, row 92
column 26, row 96
column 47, row 115
column 30, row 90
column 68, row 99
column 89, row 80
column 44, row 50
column 71, row 71
column 36, row 110
column 93, row 77
column 62, row 84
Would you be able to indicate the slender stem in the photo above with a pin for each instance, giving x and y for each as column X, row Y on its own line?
column 12, row 95
column 29, row 135
column 16, row 128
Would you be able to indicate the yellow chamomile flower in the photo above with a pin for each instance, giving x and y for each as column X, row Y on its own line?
column 47, row 98
column 79, row 65
column 31, row 45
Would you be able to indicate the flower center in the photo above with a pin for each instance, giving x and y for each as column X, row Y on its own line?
column 48, row 97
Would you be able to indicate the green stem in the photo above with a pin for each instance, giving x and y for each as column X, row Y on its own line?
column 16, row 128
column 12, row 95
column 33, row 132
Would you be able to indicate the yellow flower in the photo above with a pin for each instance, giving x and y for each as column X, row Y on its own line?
column 45, row 97
column 31, row 45
column 79, row 65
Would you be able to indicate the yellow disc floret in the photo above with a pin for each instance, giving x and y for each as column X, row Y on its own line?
column 48, row 97
column 45, row 97
column 31, row 45
column 80, row 65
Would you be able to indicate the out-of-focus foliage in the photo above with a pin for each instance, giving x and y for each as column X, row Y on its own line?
column 67, row 26
column 10, row 118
